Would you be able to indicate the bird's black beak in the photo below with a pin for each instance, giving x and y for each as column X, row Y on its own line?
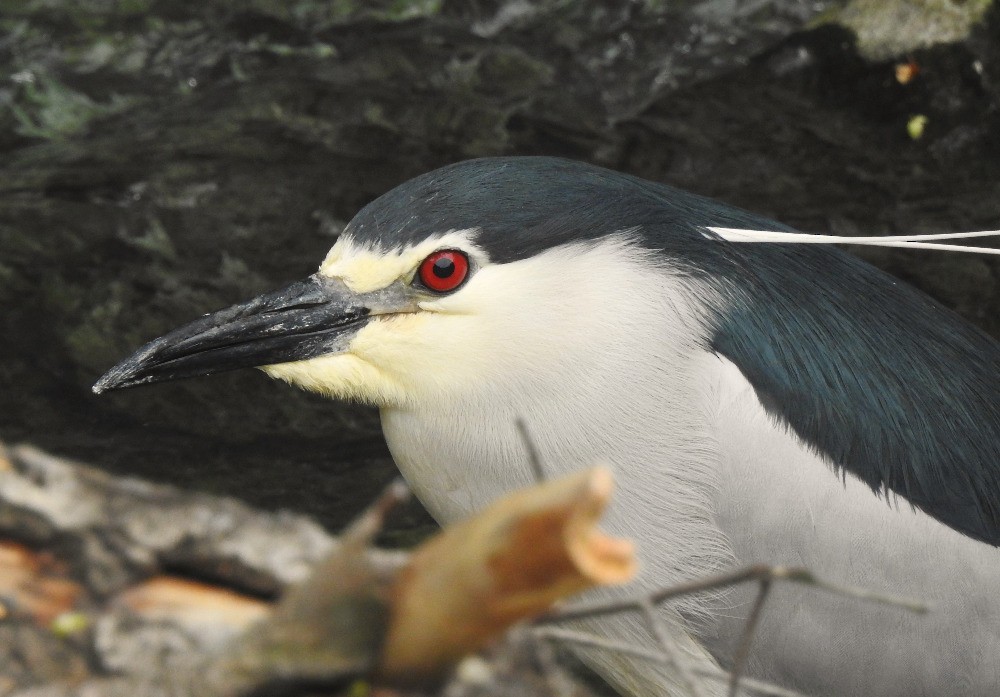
column 309, row 318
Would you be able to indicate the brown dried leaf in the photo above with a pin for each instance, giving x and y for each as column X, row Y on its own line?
column 32, row 585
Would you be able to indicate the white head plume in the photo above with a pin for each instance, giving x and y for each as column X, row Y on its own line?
column 904, row 241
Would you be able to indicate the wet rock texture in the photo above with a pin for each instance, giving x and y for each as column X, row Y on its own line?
column 162, row 159
column 88, row 562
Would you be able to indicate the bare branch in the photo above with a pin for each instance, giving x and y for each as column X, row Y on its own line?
column 676, row 657
column 529, row 446
column 583, row 639
column 646, row 604
column 363, row 529
column 751, row 573
column 743, row 651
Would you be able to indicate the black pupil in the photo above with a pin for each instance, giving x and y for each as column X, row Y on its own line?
column 444, row 267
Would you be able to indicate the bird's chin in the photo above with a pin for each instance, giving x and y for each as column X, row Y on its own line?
column 341, row 376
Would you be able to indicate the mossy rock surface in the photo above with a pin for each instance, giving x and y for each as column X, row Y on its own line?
column 164, row 159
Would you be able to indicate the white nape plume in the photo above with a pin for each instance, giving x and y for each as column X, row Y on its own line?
column 904, row 241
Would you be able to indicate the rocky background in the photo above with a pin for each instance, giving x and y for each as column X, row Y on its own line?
column 160, row 159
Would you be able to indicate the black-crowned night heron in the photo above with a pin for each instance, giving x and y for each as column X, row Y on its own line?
column 783, row 404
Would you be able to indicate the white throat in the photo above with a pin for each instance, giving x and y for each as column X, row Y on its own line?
column 573, row 384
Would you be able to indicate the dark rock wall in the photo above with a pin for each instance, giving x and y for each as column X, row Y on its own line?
column 163, row 159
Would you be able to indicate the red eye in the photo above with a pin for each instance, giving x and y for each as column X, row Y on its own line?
column 445, row 270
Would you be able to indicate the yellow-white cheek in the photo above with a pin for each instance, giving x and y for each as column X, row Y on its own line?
column 342, row 376
column 425, row 353
column 394, row 361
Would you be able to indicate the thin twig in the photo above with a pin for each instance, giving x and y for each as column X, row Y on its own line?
column 556, row 678
column 751, row 573
column 583, row 639
column 759, row 686
column 363, row 529
column 743, row 651
column 529, row 446
column 670, row 649
column 763, row 574
column 910, row 604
